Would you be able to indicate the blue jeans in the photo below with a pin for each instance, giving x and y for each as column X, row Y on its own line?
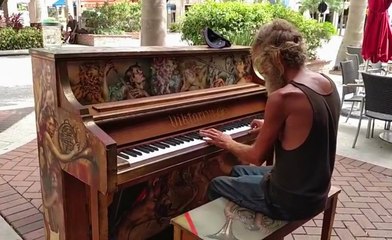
column 244, row 188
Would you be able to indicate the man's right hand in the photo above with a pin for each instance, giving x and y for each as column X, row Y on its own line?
column 256, row 125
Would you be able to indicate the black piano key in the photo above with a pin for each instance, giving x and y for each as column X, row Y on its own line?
column 133, row 153
column 178, row 140
column 171, row 141
column 123, row 155
column 142, row 149
column 194, row 135
column 130, row 153
column 165, row 144
column 167, row 141
column 184, row 138
column 189, row 138
column 151, row 147
column 160, row 145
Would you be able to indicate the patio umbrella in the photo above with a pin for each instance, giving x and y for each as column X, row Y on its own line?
column 377, row 40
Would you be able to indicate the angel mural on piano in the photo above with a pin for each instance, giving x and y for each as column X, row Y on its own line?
column 242, row 69
column 221, row 71
column 229, row 70
column 50, row 169
column 136, row 82
column 194, row 76
column 165, row 77
column 128, row 86
column 89, row 86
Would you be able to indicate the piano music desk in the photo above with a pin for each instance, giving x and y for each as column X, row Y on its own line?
column 208, row 222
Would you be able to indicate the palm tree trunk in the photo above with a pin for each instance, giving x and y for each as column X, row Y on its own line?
column 5, row 8
column 354, row 29
column 154, row 20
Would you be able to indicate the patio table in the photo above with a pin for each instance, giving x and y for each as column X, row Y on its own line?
column 386, row 136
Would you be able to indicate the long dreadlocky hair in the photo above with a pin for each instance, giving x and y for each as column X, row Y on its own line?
column 278, row 43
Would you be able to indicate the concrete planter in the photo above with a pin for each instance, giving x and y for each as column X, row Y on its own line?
column 127, row 40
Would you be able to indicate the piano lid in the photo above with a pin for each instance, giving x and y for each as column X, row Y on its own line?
column 126, row 52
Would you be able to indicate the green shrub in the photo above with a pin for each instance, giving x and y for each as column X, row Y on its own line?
column 25, row 38
column 239, row 22
column 114, row 18
column 234, row 20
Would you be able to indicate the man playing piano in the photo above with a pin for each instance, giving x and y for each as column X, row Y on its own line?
column 300, row 122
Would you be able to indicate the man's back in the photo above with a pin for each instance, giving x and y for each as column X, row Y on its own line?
column 305, row 151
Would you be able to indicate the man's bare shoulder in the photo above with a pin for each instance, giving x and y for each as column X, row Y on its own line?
column 287, row 92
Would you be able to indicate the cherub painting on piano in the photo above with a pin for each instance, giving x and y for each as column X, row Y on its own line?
column 132, row 84
column 242, row 69
column 165, row 76
column 136, row 82
column 88, row 86
column 194, row 76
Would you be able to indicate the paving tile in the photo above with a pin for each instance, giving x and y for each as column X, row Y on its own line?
column 31, row 227
column 28, row 220
column 21, row 215
column 35, row 235
column 9, row 198
column 11, row 204
column 378, row 208
column 7, row 192
column 344, row 234
column 16, row 209
column 355, row 229
column 364, row 222
column 313, row 230
column 380, row 233
column 371, row 215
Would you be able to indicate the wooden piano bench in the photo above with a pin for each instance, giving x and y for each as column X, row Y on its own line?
column 209, row 221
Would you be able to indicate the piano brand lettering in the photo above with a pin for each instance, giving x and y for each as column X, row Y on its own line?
column 184, row 119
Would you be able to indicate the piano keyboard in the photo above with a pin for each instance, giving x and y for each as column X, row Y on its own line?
column 169, row 145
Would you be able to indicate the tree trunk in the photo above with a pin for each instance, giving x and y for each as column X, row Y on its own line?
column 154, row 21
column 37, row 12
column 354, row 29
column 5, row 9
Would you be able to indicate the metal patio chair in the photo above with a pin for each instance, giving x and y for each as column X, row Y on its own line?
column 377, row 103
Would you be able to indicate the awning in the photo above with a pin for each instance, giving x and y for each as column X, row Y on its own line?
column 60, row 3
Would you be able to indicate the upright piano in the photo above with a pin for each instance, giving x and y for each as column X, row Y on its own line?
column 118, row 141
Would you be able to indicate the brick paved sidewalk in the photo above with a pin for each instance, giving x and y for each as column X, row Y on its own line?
column 364, row 208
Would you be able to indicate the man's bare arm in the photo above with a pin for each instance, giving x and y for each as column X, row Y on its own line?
column 256, row 153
